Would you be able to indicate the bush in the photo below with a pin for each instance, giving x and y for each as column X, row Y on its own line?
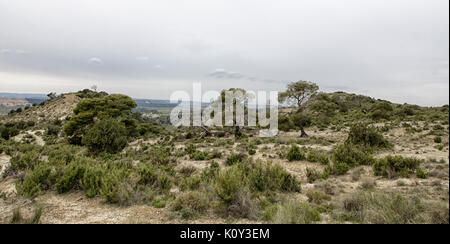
column 92, row 181
column 375, row 207
column 438, row 139
column 295, row 153
column 293, row 212
column 421, row 174
column 52, row 130
column 191, row 203
column 36, row 180
column 200, row 156
column 235, row 158
column 272, row 178
column 8, row 132
column 391, row 166
column 107, row 135
column 228, row 184
column 89, row 110
column 318, row 156
column 347, row 155
column 365, row 135
column 317, row 197
column 312, row 175
column 70, row 179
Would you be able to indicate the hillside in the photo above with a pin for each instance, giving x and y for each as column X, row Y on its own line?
column 89, row 154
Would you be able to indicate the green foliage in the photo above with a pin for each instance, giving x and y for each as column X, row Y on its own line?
column 391, row 166
column 346, row 156
column 375, row 207
column 235, row 158
column 293, row 212
column 368, row 136
column 317, row 197
column 271, row 178
column 229, row 183
column 438, row 139
column 421, row 174
column 91, row 109
column 70, row 178
column 295, row 153
column 312, row 175
column 36, row 180
column 191, row 203
column 106, row 135
column 7, row 132
column 285, row 123
column 320, row 156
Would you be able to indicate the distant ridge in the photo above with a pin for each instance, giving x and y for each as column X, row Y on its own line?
column 23, row 95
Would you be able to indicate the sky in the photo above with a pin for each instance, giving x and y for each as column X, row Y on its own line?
column 396, row 50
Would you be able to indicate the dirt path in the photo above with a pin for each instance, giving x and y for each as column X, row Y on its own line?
column 4, row 163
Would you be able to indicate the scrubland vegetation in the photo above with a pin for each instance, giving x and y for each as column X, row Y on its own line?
column 339, row 158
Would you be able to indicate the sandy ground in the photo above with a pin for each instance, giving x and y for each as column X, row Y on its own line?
column 74, row 207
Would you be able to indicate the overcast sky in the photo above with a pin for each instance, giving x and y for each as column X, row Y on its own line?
column 389, row 49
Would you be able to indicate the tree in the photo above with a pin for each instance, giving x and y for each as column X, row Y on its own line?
column 90, row 110
column 298, row 94
column 239, row 98
column 107, row 135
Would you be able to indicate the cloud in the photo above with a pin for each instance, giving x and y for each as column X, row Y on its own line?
column 21, row 52
column 5, row 51
column 144, row 59
column 95, row 61
column 158, row 66
column 222, row 73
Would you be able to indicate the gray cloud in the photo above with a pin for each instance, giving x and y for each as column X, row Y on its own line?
column 96, row 61
column 379, row 48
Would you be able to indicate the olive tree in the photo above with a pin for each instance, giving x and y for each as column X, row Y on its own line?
column 298, row 94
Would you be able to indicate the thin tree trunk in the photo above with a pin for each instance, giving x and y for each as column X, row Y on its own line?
column 303, row 133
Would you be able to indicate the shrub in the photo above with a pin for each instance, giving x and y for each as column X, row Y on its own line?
column 375, row 207
column 312, row 175
column 8, row 132
column 421, row 174
column 228, row 184
column 438, row 139
column 158, row 155
column 347, row 155
column 70, row 179
column 36, row 180
column 191, row 202
column 235, row 158
column 270, row 177
column 317, row 197
column 52, row 130
column 365, row 135
column 293, row 212
column 295, row 153
column 391, row 166
column 107, row 135
column 27, row 160
column 92, row 181
column 199, row 156
column 315, row 155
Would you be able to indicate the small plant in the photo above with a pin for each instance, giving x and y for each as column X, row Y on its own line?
column 391, row 166
column 421, row 174
column 317, row 197
column 346, row 156
column 235, row 158
column 293, row 212
column 191, row 203
column 438, row 139
column 295, row 153
column 368, row 136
